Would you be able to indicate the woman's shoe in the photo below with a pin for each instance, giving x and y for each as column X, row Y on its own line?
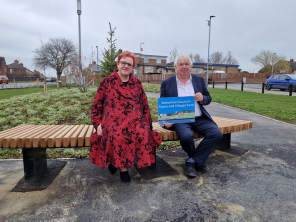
column 112, row 169
column 125, row 177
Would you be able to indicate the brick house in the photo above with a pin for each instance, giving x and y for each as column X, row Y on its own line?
column 292, row 66
column 17, row 69
column 149, row 64
column 3, row 66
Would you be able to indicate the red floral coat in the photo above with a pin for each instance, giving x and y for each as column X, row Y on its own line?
column 124, row 114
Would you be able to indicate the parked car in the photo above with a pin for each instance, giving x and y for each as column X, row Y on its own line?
column 281, row 81
column 48, row 80
column 53, row 79
column 4, row 79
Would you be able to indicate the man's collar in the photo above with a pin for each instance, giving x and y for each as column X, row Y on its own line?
column 178, row 81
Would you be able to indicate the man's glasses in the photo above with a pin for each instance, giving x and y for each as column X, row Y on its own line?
column 126, row 63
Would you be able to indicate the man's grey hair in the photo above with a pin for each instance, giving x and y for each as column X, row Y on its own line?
column 182, row 56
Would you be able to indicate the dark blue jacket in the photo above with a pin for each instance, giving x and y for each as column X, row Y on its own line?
column 169, row 89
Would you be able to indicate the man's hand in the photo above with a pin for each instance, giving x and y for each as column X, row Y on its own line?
column 99, row 130
column 198, row 97
column 169, row 125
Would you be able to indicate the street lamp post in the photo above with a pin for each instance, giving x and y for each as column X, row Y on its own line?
column 140, row 57
column 272, row 64
column 209, row 24
column 79, row 29
column 97, row 56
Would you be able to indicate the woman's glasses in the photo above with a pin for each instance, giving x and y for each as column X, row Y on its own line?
column 126, row 63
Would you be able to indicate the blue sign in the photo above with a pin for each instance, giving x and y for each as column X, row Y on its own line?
column 176, row 110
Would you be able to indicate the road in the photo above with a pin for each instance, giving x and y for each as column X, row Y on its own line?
column 250, row 87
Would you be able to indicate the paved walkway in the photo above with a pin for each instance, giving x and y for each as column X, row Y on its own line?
column 254, row 181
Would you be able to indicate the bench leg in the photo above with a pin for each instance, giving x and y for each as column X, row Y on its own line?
column 35, row 162
column 224, row 143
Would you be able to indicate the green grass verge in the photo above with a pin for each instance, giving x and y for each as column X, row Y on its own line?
column 279, row 107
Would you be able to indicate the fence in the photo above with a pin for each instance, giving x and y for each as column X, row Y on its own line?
column 217, row 77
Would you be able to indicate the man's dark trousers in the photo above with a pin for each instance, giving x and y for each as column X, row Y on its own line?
column 204, row 126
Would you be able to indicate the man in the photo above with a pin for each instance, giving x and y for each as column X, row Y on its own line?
column 186, row 84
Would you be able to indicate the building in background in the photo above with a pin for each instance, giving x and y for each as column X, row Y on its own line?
column 149, row 64
column 17, row 69
column 292, row 66
column 3, row 66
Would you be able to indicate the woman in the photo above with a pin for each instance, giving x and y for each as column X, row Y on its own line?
column 121, row 117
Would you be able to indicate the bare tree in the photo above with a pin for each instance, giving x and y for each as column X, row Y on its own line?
column 196, row 58
column 173, row 55
column 266, row 58
column 217, row 58
column 220, row 58
column 57, row 53
column 229, row 59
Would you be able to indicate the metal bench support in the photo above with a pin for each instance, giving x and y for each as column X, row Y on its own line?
column 224, row 143
column 35, row 162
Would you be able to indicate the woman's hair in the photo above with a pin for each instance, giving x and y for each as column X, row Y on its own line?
column 182, row 56
column 127, row 54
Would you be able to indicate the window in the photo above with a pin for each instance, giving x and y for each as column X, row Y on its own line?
column 158, row 61
column 146, row 60
column 283, row 77
column 197, row 70
column 148, row 69
column 276, row 77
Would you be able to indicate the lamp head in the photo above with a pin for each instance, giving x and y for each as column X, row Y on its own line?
column 79, row 7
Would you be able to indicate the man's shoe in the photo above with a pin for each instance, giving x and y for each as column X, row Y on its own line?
column 125, row 177
column 201, row 168
column 112, row 169
column 190, row 170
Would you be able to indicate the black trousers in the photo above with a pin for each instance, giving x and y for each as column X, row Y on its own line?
column 204, row 126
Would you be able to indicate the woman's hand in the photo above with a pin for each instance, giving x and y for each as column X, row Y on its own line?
column 99, row 130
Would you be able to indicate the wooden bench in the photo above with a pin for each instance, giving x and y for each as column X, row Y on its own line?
column 34, row 139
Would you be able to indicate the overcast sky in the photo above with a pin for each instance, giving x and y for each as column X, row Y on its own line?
column 244, row 27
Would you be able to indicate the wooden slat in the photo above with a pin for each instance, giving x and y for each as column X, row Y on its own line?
column 56, row 139
column 67, row 137
column 19, row 140
column 10, row 133
column 88, row 135
column 29, row 139
column 226, row 126
column 74, row 137
column 82, row 135
column 44, row 138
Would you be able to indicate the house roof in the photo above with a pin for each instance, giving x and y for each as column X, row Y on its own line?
column 292, row 65
column 1, row 60
column 15, row 66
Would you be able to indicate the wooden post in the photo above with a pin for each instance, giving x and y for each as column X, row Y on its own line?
column 37, row 83
column 14, row 83
column 44, row 87
column 93, row 81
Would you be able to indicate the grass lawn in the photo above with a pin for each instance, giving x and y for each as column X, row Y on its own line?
column 279, row 107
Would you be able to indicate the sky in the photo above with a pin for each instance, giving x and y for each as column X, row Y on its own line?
column 244, row 27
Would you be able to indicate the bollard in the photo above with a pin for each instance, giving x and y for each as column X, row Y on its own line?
column 226, row 85
column 242, row 89
column 14, row 83
column 213, row 84
column 290, row 89
column 263, row 86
